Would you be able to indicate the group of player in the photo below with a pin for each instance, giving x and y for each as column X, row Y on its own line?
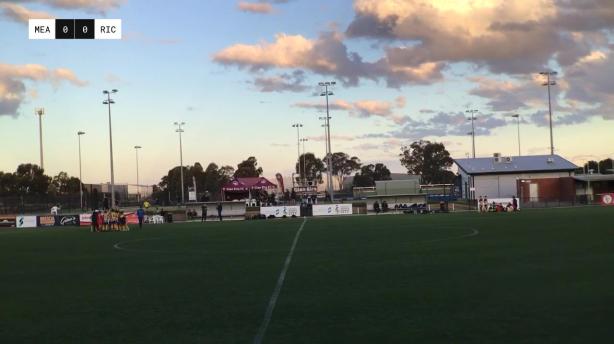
column 485, row 207
column 111, row 220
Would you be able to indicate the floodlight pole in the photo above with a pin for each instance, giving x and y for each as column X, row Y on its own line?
column 138, row 186
column 304, row 161
column 298, row 127
column 79, row 133
column 549, row 82
column 180, row 130
column 472, row 119
column 40, row 112
column 108, row 102
column 329, row 154
column 517, row 116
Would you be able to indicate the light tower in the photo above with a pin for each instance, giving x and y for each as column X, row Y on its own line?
column 472, row 119
column 550, row 82
column 298, row 127
column 40, row 112
column 303, row 140
column 138, row 186
column 79, row 133
column 326, row 93
column 180, row 130
column 108, row 102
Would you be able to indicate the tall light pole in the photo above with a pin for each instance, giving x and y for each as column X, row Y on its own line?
column 40, row 112
column 138, row 186
column 550, row 82
column 303, row 140
column 180, row 130
column 298, row 127
column 79, row 133
column 472, row 119
column 329, row 154
column 517, row 117
column 108, row 102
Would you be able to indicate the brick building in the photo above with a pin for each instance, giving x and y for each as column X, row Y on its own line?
column 530, row 178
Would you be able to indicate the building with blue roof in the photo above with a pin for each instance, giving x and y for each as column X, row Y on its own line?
column 530, row 178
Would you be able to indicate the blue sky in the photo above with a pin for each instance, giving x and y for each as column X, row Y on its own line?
column 205, row 63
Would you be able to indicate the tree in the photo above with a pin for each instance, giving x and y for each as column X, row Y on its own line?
column 343, row 165
column 369, row 174
column 31, row 179
column 248, row 168
column 428, row 159
column 606, row 166
column 314, row 167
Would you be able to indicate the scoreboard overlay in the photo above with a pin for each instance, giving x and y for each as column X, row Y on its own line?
column 75, row 29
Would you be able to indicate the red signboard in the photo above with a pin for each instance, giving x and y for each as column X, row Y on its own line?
column 607, row 199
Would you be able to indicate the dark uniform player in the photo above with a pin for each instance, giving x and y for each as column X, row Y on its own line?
column 219, row 211
column 140, row 213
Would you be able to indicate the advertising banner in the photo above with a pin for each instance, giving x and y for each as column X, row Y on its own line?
column 26, row 221
column 332, row 209
column 281, row 211
column 607, row 199
column 46, row 221
column 85, row 219
column 132, row 219
column 7, row 221
column 67, row 220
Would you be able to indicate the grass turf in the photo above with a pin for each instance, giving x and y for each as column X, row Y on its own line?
column 541, row 276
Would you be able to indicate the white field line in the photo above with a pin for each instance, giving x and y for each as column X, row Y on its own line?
column 280, row 282
column 118, row 246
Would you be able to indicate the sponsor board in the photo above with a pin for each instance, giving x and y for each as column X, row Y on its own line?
column 7, row 221
column 46, row 220
column 607, row 199
column 85, row 219
column 281, row 211
column 332, row 209
column 132, row 219
column 67, row 220
column 26, row 221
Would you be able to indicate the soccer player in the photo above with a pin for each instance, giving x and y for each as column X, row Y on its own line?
column 140, row 213
column 94, row 221
column 480, row 205
column 203, row 213
column 219, row 211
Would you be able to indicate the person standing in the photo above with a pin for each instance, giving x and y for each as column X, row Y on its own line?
column 55, row 210
column 480, row 205
column 514, row 203
column 140, row 213
column 94, row 221
column 219, row 211
column 203, row 213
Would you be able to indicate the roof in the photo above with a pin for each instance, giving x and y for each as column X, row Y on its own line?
column 245, row 184
column 594, row 177
column 516, row 164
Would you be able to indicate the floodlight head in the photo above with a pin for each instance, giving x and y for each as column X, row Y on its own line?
column 321, row 83
column 137, row 147
column 114, row 90
column 105, row 92
column 80, row 132
column 333, row 83
column 515, row 115
column 39, row 111
column 105, row 102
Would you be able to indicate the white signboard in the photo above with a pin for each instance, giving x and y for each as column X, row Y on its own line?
column 26, row 221
column 332, row 209
column 85, row 219
column 192, row 196
column 281, row 211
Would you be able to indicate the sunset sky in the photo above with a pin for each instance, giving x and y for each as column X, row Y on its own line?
column 239, row 73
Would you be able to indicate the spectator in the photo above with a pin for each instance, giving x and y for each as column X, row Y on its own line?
column 219, row 211
column 140, row 213
column 376, row 207
column 203, row 213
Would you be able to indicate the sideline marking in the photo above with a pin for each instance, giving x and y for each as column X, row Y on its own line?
column 118, row 246
column 280, row 282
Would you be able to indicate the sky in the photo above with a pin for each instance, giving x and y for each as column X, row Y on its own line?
column 240, row 73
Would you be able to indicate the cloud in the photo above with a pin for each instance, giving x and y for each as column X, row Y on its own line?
column 13, row 87
column 97, row 6
column 440, row 125
column 286, row 82
column 364, row 108
column 327, row 56
column 21, row 14
column 503, row 36
column 255, row 7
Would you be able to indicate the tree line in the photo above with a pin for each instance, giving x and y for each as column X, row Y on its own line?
column 30, row 179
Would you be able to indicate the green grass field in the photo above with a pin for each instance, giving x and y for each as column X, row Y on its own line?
column 541, row 276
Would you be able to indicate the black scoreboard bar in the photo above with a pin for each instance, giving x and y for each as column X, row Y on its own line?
column 75, row 29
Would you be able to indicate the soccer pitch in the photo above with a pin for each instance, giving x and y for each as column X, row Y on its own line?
column 539, row 276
